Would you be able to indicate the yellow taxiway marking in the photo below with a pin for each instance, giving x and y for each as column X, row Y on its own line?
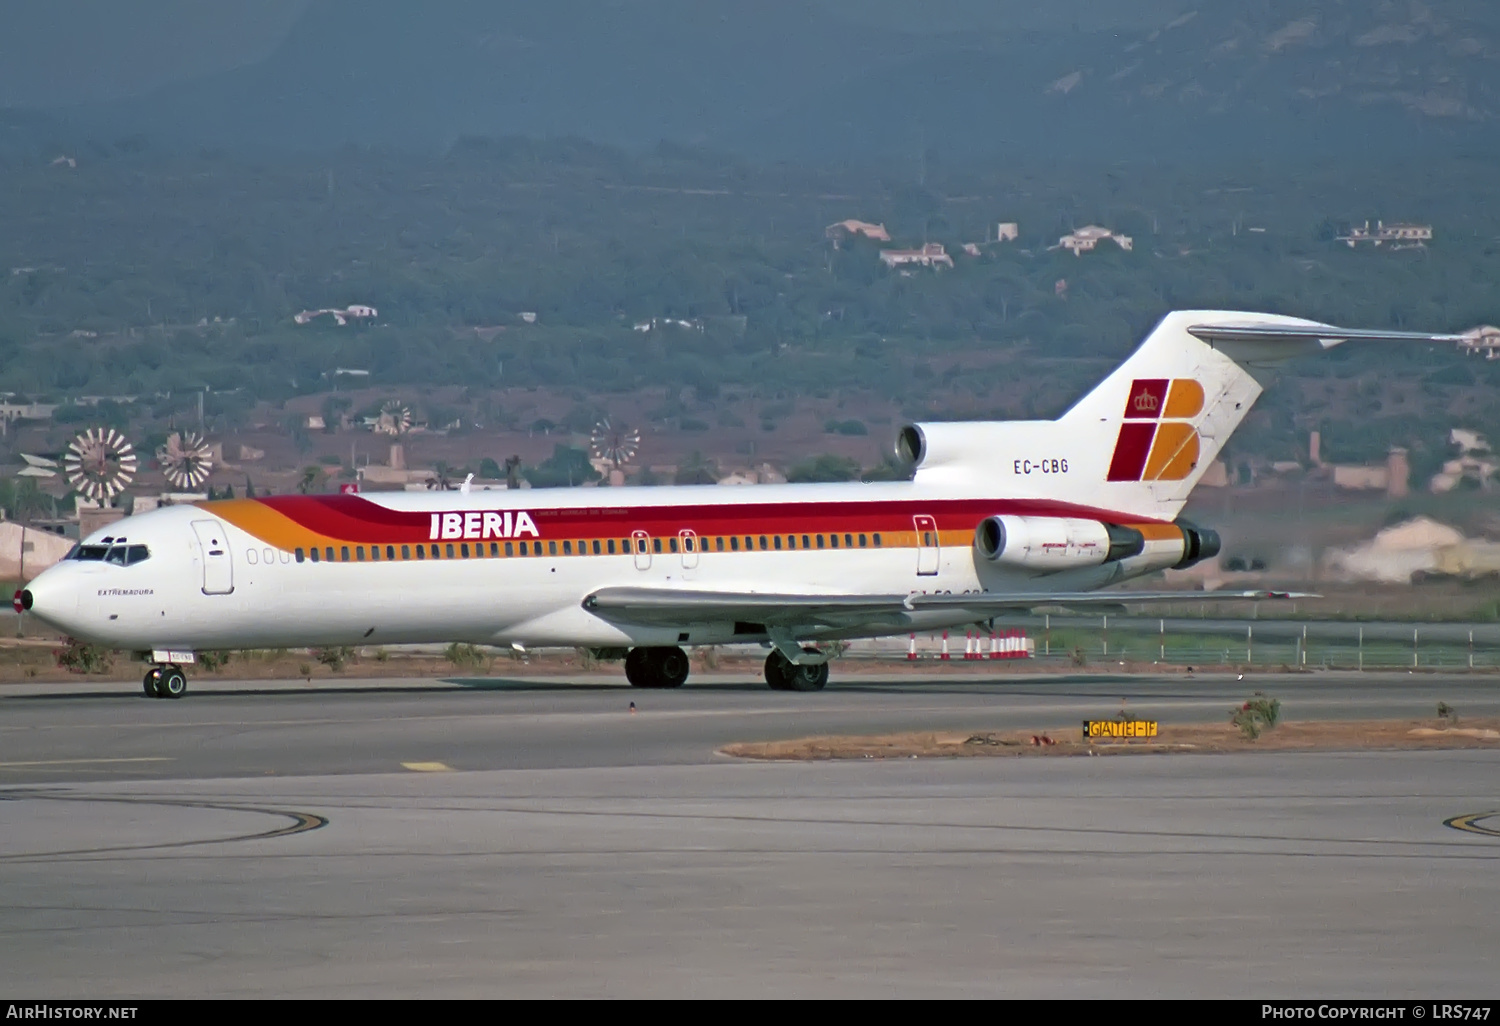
column 427, row 767
column 82, row 762
column 1471, row 823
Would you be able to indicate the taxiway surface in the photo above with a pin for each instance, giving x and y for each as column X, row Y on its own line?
column 533, row 837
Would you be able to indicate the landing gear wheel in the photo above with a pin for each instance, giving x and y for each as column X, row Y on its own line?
column 784, row 675
column 656, row 667
column 637, row 668
column 173, row 683
column 671, row 667
column 778, row 671
column 151, row 683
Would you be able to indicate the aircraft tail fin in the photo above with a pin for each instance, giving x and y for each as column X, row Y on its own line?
column 1144, row 436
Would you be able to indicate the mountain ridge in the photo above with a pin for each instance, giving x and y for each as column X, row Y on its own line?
column 783, row 80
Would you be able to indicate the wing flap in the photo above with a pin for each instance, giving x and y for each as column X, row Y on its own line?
column 665, row 607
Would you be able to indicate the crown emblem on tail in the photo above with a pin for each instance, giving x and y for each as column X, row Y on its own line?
column 1158, row 441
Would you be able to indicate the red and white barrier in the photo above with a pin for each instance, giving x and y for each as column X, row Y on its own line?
column 1006, row 644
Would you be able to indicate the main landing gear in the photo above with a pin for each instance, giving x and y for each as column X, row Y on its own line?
column 784, row 675
column 656, row 667
column 165, row 682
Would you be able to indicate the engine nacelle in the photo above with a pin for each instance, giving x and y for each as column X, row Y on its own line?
column 1198, row 544
column 1054, row 543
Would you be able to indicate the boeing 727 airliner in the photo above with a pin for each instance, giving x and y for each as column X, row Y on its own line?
column 997, row 517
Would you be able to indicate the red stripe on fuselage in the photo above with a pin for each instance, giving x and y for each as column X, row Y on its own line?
column 356, row 519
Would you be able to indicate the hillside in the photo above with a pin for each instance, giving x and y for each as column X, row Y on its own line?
column 781, row 78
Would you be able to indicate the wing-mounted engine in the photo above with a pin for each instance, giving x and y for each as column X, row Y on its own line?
column 1054, row 543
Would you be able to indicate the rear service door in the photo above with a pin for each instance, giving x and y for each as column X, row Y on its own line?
column 928, row 553
column 213, row 548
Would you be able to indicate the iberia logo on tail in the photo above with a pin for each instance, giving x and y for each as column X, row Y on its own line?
column 1157, row 441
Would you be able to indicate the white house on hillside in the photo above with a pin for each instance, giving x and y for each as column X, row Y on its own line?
column 1085, row 239
column 930, row 255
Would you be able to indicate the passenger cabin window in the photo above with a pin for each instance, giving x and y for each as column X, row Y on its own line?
column 374, row 551
column 820, row 541
column 734, row 544
column 719, row 544
column 300, row 555
column 359, row 553
column 449, row 550
column 567, row 548
column 833, row 540
column 510, row 549
column 596, row 546
column 763, row 543
column 344, row 553
column 672, row 544
column 328, row 553
column 611, row 546
column 656, row 544
column 777, row 539
column 863, row 541
column 552, row 548
column 314, row 555
column 421, row 552
column 406, row 552
column 848, row 541
column 877, row 541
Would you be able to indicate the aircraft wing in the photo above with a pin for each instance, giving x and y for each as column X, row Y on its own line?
column 669, row 607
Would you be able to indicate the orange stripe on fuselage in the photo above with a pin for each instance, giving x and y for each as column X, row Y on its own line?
column 271, row 525
column 260, row 521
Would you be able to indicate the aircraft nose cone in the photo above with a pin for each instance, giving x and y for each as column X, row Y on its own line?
column 50, row 598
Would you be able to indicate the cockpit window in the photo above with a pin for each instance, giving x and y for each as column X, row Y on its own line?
column 119, row 555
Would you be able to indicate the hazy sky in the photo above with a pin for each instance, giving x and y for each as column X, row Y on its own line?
column 68, row 51
column 55, row 52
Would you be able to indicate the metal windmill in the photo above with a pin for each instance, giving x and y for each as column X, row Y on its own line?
column 186, row 460
column 615, row 444
column 394, row 419
column 100, row 463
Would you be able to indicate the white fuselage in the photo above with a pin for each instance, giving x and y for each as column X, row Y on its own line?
column 241, row 574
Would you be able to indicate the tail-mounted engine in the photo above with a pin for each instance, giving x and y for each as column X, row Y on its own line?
column 1198, row 544
column 1055, row 543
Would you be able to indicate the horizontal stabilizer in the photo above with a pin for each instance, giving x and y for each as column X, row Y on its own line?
column 1325, row 334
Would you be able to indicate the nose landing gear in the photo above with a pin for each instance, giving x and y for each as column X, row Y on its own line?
column 165, row 682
